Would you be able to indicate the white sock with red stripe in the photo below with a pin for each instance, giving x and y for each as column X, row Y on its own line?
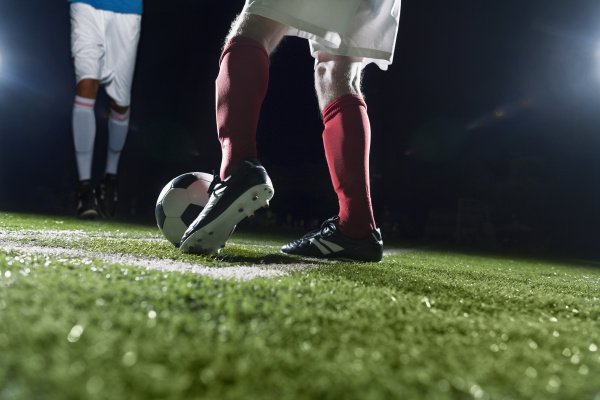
column 84, row 134
column 118, row 126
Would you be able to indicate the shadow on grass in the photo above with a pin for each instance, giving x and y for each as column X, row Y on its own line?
column 262, row 260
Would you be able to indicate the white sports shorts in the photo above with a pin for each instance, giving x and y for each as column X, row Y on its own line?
column 104, row 47
column 356, row 28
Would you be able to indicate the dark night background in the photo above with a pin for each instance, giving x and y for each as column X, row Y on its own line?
column 485, row 127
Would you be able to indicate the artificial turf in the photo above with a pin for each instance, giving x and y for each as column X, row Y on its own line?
column 419, row 325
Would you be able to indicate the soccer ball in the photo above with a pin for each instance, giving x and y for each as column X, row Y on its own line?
column 180, row 202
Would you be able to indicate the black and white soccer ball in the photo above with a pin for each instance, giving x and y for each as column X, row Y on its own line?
column 180, row 202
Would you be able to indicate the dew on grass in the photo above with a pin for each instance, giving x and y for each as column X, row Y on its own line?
column 151, row 314
column 531, row 372
column 425, row 301
column 553, row 384
column 75, row 333
column 533, row 345
column 7, row 273
column 376, row 356
column 100, row 302
column 593, row 347
column 575, row 359
column 129, row 359
column 567, row 352
column 556, row 334
column 583, row 369
column 476, row 391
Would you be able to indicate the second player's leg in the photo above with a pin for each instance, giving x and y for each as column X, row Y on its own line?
column 336, row 76
column 346, row 138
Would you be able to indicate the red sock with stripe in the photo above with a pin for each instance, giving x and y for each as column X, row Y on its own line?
column 241, row 87
column 347, row 140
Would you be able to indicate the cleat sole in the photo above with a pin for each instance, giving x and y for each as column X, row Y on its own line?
column 214, row 235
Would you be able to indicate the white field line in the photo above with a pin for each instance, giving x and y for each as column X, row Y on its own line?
column 9, row 241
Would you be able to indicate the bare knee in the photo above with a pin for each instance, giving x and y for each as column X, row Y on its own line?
column 87, row 88
column 117, row 108
column 336, row 76
column 264, row 30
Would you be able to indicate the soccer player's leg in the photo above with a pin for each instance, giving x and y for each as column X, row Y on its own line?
column 84, row 134
column 121, row 49
column 243, row 186
column 86, row 50
column 351, row 234
column 107, row 191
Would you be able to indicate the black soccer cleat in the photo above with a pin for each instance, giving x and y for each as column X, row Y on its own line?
column 328, row 242
column 86, row 201
column 240, row 195
column 107, row 196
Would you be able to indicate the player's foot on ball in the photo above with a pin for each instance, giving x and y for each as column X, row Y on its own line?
column 328, row 242
column 86, row 201
column 106, row 196
column 240, row 195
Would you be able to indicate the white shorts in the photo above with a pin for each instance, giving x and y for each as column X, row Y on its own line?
column 355, row 28
column 104, row 47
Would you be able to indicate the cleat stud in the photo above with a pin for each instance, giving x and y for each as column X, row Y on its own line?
column 255, row 198
column 210, row 233
column 241, row 210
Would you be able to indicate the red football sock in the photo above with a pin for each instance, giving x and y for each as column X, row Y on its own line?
column 347, row 140
column 241, row 87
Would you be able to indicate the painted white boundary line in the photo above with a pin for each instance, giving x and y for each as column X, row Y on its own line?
column 238, row 273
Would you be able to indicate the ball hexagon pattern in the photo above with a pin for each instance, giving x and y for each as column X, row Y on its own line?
column 180, row 202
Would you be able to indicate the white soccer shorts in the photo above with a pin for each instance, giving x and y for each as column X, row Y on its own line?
column 355, row 28
column 104, row 47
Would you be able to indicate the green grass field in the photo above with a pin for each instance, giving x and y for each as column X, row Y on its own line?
column 102, row 310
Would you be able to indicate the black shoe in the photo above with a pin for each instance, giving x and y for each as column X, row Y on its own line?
column 86, row 201
column 241, row 194
column 107, row 196
column 328, row 242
